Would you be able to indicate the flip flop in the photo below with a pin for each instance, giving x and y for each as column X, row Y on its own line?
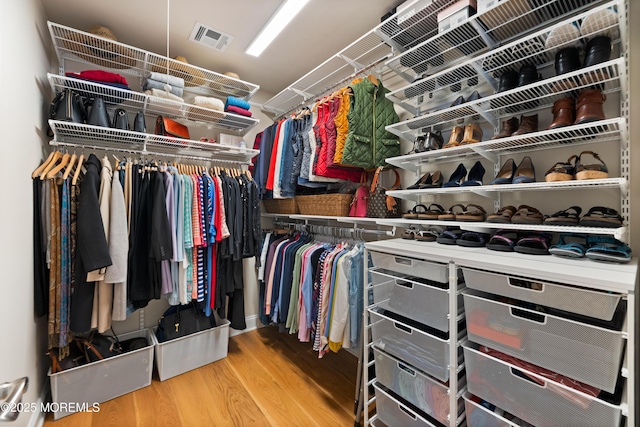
column 449, row 236
column 600, row 216
column 569, row 216
column 472, row 239
column 570, row 245
column 503, row 240
column 533, row 244
column 607, row 248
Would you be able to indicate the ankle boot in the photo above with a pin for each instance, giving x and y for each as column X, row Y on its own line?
column 589, row 106
column 564, row 113
column 598, row 50
column 472, row 134
column 508, row 128
column 567, row 60
column 528, row 124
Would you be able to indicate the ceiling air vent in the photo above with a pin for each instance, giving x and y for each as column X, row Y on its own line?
column 210, row 37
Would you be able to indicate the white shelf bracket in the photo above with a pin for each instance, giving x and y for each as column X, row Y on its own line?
column 487, row 116
column 487, row 155
column 621, row 234
column 355, row 64
column 302, row 93
column 487, row 194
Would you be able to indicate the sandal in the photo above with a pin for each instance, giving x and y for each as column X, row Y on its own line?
column 503, row 240
column 410, row 233
column 472, row 239
column 413, row 213
column 451, row 215
column 607, row 248
column 527, row 215
column 569, row 216
column 432, row 212
column 570, row 245
column 593, row 171
column 561, row 171
column 477, row 214
column 600, row 216
column 503, row 215
column 430, row 234
column 533, row 244
column 449, row 236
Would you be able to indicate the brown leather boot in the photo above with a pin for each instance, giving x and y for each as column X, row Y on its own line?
column 472, row 134
column 508, row 128
column 528, row 124
column 564, row 113
column 589, row 106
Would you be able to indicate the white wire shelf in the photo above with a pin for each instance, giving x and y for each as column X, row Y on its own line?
column 588, row 133
column 133, row 102
column 488, row 190
column 505, row 21
column 76, row 45
column 437, row 91
column 82, row 135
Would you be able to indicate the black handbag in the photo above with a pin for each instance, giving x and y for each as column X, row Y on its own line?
column 67, row 106
column 179, row 321
column 139, row 124
column 120, row 119
column 98, row 116
column 97, row 346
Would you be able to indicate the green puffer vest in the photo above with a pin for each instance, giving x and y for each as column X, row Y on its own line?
column 368, row 144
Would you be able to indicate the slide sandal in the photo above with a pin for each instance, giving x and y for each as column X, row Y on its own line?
column 533, row 244
column 503, row 241
column 432, row 212
column 600, row 216
column 430, row 234
column 472, row 239
column 569, row 216
column 570, row 245
column 609, row 249
column 449, row 236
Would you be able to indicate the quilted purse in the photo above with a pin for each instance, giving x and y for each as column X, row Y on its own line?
column 381, row 205
column 168, row 127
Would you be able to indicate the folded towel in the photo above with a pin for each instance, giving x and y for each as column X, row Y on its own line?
column 238, row 110
column 99, row 76
column 165, row 78
column 163, row 94
column 154, row 84
column 208, row 102
column 237, row 102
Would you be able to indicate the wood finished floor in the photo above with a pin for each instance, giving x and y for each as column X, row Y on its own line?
column 268, row 379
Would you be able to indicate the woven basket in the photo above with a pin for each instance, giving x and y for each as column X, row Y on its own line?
column 325, row 204
column 281, row 206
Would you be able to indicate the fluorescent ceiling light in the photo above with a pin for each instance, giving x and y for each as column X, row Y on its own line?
column 285, row 13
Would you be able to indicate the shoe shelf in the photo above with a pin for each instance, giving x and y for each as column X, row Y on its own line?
column 530, row 49
column 80, row 46
column 536, row 96
column 133, row 102
column 587, row 133
column 488, row 190
column 97, row 137
column 497, row 25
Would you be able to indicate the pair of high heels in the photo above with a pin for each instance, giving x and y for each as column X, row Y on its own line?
column 511, row 174
column 473, row 179
column 460, row 100
column 428, row 180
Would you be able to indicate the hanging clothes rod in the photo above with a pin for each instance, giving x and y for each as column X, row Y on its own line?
column 333, row 230
column 150, row 153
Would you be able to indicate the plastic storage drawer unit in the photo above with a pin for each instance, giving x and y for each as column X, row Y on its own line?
column 409, row 297
column 587, row 302
column 587, row 353
column 106, row 379
column 393, row 413
column 190, row 352
column 433, row 271
column 412, row 385
column 532, row 397
column 426, row 352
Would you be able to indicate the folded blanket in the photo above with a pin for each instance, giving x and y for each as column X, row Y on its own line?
column 238, row 110
column 99, row 76
column 237, row 102
column 164, row 78
column 163, row 94
column 154, row 84
column 208, row 102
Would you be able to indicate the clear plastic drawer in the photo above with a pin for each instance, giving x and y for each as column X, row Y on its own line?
column 587, row 353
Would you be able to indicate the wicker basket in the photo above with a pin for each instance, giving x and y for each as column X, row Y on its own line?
column 325, row 204
column 281, row 206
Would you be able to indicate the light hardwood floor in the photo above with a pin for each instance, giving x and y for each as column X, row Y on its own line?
column 268, row 379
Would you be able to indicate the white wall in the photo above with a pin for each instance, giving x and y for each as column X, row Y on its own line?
column 24, row 44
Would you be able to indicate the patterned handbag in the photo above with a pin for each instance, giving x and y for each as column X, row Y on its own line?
column 380, row 204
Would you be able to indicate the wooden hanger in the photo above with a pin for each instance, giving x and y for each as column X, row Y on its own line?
column 78, row 168
column 43, row 165
column 57, row 156
column 64, row 162
column 372, row 79
column 72, row 161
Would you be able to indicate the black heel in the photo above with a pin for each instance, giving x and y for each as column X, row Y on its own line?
column 475, row 175
column 457, row 177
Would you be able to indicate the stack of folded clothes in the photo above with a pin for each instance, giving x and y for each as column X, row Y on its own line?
column 163, row 82
column 102, row 77
column 237, row 106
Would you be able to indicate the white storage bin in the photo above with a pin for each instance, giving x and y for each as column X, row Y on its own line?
column 107, row 379
column 426, row 352
column 421, row 302
column 587, row 353
column 190, row 352
column 394, row 414
column 479, row 416
column 547, row 404
column 412, row 385
column 433, row 271
column 601, row 305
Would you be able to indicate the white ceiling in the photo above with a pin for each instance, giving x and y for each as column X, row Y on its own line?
column 321, row 29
